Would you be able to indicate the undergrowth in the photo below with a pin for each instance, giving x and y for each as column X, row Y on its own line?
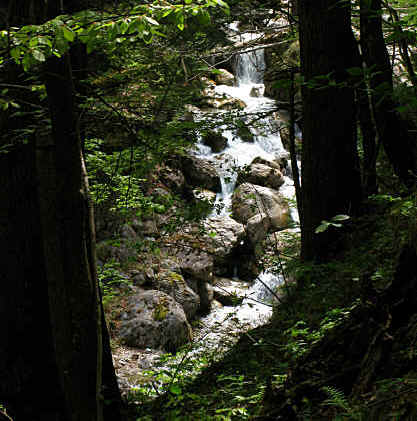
column 241, row 384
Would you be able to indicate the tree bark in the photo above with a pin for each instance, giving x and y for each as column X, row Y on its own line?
column 30, row 387
column 393, row 132
column 330, row 173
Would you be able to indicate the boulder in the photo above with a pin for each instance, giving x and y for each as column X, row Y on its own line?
column 263, row 161
column 223, row 77
column 221, row 101
column 195, row 263
column 255, row 92
column 173, row 178
column 286, row 241
column 204, row 195
column 216, row 141
column 201, row 173
column 189, row 112
column 229, row 292
column 243, row 132
column 284, row 132
column 154, row 320
column 257, row 228
column 262, row 175
column 250, row 199
column 173, row 284
column 223, row 235
column 205, row 292
column 120, row 251
column 225, row 102
column 127, row 232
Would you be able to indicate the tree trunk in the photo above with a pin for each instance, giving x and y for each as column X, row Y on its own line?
column 72, row 287
column 330, row 172
column 29, row 386
column 55, row 359
column 393, row 132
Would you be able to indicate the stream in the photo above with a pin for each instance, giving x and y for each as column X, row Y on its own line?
column 256, row 307
column 220, row 329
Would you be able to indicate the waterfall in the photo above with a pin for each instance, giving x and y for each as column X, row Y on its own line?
column 250, row 67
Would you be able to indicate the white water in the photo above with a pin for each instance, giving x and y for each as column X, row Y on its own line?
column 221, row 328
column 267, row 144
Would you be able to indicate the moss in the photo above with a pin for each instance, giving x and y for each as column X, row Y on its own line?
column 161, row 310
column 174, row 278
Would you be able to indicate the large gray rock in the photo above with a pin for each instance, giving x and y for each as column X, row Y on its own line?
column 263, row 161
column 205, row 292
column 262, row 175
column 172, row 178
column 229, row 292
column 224, row 101
column 284, row 132
column 216, row 141
column 201, row 173
column 154, row 320
column 286, row 241
column 205, row 196
column 173, row 284
column 257, row 228
column 195, row 263
column 251, row 199
column 223, row 77
column 222, row 235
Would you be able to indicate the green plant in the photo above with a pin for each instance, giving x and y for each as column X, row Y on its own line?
column 333, row 222
column 110, row 279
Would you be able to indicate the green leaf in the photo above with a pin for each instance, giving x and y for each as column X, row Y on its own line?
column 167, row 12
column 175, row 389
column 15, row 53
column 322, row 227
column 151, row 21
column 68, row 34
column 124, row 26
column 33, row 42
column 355, row 71
column 45, row 41
column 340, row 218
column 38, row 55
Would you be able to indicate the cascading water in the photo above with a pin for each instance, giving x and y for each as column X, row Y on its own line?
column 222, row 326
column 256, row 306
column 250, row 67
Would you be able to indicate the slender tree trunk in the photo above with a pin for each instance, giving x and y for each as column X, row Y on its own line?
column 330, row 174
column 366, row 124
column 393, row 132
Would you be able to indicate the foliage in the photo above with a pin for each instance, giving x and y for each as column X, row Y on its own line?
column 32, row 44
column 334, row 222
column 111, row 279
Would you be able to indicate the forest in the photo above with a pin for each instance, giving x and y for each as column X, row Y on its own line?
column 209, row 210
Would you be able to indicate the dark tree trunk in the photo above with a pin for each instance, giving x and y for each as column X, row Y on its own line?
column 392, row 131
column 55, row 362
column 330, row 172
column 29, row 385
column 72, row 288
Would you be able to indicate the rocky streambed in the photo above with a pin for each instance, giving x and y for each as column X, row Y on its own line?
column 210, row 271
